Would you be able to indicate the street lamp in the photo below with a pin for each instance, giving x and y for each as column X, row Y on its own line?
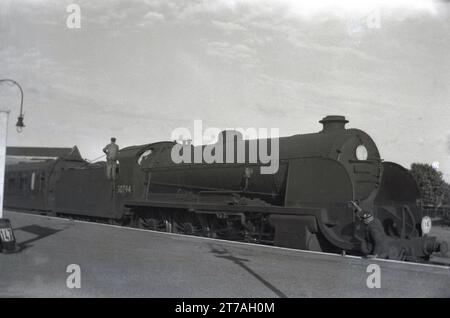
column 19, row 125
column 7, row 238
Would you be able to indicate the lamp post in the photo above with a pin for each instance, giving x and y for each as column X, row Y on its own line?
column 7, row 239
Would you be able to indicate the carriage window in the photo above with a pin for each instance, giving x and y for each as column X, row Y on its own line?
column 11, row 184
column 144, row 156
column 41, row 180
column 22, row 181
column 33, row 179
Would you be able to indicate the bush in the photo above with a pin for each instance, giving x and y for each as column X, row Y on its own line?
column 433, row 189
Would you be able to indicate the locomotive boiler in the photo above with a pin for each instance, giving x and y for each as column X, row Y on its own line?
column 308, row 203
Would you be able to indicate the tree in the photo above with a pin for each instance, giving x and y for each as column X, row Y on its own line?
column 446, row 198
column 433, row 189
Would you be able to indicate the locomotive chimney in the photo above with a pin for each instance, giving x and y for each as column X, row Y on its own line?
column 332, row 123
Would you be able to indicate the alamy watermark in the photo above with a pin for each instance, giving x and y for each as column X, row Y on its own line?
column 360, row 24
column 73, row 20
column 74, row 278
column 236, row 145
column 374, row 279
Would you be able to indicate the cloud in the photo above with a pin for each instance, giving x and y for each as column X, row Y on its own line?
column 275, row 63
column 153, row 16
column 228, row 27
column 232, row 52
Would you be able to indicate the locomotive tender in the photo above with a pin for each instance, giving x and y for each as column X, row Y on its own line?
column 304, row 205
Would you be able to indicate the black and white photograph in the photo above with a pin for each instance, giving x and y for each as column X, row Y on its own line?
column 224, row 154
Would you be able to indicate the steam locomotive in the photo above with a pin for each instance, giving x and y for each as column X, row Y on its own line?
column 304, row 204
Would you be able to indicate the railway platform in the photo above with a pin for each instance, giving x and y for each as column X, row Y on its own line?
column 123, row 262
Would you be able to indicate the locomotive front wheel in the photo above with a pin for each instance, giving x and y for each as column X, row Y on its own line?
column 150, row 224
column 185, row 228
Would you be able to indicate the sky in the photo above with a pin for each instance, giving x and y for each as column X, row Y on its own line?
column 139, row 69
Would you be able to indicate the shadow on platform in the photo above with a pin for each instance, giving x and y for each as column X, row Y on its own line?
column 40, row 232
column 224, row 253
